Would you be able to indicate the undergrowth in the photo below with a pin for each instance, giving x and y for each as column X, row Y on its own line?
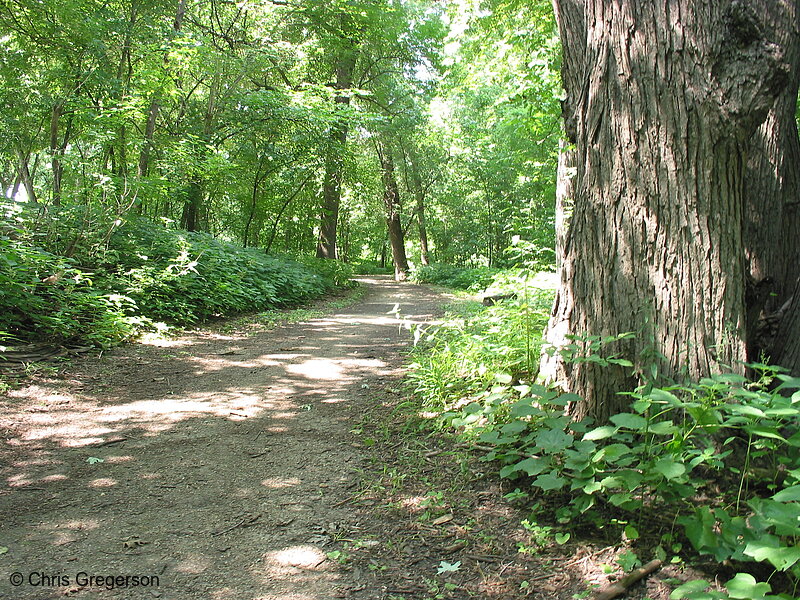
column 462, row 278
column 708, row 468
column 109, row 282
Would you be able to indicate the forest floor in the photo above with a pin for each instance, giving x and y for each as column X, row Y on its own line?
column 247, row 462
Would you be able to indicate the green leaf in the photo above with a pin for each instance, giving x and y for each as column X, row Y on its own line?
column 628, row 561
column 562, row 538
column 631, row 532
column 550, row 481
column 665, row 397
column 592, row 487
column 669, row 468
column 769, row 549
column 663, row 428
column 744, row 586
column 94, row 460
column 533, row 466
column 600, row 433
column 629, row 421
column 767, row 432
column 504, row 378
column 746, row 410
column 514, row 427
column 620, row 498
column 790, row 494
column 553, row 440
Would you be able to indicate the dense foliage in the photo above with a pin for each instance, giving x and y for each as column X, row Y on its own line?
column 108, row 288
column 707, row 467
column 167, row 163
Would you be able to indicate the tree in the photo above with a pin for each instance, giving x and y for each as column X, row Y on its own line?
column 334, row 159
column 772, row 212
column 392, row 204
column 661, row 99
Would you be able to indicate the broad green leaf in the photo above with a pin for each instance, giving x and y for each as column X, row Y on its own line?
column 770, row 549
column 620, row 498
column 669, row 468
column 610, row 482
column 508, row 471
column 629, row 421
column 664, row 396
column 662, row 428
column 533, row 466
column 766, row 432
column 592, row 487
column 630, row 477
column 514, row 427
column 744, row 586
column 550, row 481
column 553, row 440
column 504, row 378
column 600, row 433
column 790, row 494
column 744, row 409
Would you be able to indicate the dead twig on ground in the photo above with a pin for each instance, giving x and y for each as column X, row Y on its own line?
column 621, row 586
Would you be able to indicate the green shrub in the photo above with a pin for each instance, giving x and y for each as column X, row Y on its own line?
column 136, row 273
column 720, row 457
column 462, row 278
column 184, row 277
column 462, row 356
column 46, row 297
column 365, row 267
column 335, row 272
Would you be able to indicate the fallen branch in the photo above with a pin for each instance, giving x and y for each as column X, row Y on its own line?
column 621, row 586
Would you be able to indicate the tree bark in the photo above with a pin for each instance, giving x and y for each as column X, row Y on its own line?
column 391, row 201
column 661, row 100
column 334, row 161
column 564, row 197
column 772, row 210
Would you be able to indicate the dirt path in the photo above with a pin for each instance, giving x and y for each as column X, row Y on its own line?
column 221, row 465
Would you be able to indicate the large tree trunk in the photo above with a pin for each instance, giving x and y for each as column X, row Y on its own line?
column 391, row 201
column 564, row 198
column 334, row 161
column 772, row 211
column 661, row 99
